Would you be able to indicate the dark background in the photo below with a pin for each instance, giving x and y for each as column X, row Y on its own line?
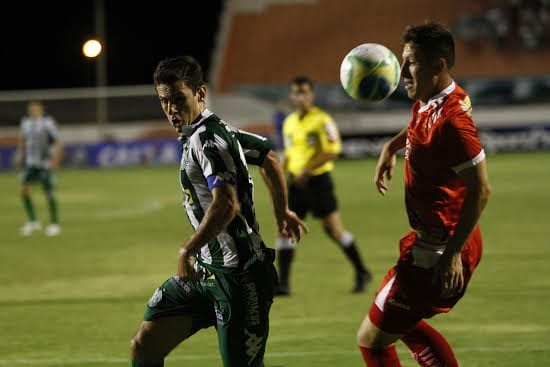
column 41, row 41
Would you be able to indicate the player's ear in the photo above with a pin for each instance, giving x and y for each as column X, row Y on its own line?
column 440, row 65
column 201, row 93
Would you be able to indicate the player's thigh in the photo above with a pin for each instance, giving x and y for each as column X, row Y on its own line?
column 371, row 336
column 28, row 176
column 48, row 180
column 398, row 306
column 156, row 338
column 243, row 319
column 174, row 301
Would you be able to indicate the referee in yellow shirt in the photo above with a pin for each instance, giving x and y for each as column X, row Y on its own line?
column 311, row 145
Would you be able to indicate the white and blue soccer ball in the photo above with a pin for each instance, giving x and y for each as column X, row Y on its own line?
column 370, row 72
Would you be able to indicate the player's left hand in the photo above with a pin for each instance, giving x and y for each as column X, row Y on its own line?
column 448, row 273
column 301, row 179
column 291, row 226
column 185, row 270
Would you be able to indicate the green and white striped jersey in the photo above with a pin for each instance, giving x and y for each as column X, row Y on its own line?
column 214, row 154
column 39, row 135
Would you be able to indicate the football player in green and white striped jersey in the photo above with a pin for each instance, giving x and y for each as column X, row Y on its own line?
column 40, row 151
column 225, row 273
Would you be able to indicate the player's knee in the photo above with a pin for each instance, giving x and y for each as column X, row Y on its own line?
column 368, row 340
column 369, row 337
column 49, row 195
column 139, row 349
column 25, row 190
column 136, row 348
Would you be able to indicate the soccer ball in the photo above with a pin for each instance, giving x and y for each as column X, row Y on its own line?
column 370, row 72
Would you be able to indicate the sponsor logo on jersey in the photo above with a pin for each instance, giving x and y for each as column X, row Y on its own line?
column 395, row 303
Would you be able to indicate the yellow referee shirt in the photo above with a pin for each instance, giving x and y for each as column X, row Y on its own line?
column 304, row 138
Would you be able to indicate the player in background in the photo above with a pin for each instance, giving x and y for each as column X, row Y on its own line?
column 39, row 151
column 225, row 274
column 311, row 145
column 446, row 190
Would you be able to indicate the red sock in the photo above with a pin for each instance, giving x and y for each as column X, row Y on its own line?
column 429, row 348
column 380, row 357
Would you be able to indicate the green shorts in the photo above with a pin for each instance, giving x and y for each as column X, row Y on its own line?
column 242, row 302
column 237, row 304
column 176, row 297
column 43, row 175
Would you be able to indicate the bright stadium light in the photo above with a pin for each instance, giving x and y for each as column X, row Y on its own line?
column 91, row 48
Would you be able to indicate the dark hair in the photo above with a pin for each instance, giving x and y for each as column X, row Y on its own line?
column 432, row 39
column 181, row 68
column 302, row 79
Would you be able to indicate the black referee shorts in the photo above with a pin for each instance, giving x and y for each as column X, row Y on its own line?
column 317, row 196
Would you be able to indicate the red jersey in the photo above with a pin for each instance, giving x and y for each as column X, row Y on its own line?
column 442, row 140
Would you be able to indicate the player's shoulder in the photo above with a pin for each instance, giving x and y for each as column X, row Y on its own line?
column 292, row 117
column 458, row 106
column 212, row 129
column 321, row 115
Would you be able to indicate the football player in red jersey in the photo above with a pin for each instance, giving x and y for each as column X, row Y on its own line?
column 446, row 190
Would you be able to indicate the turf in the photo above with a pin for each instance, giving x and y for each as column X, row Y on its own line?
column 76, row 300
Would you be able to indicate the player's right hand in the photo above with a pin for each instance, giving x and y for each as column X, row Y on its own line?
column 291, row 226
column 384, row 170
column 186, row 269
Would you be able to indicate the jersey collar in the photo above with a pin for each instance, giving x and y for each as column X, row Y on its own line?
column 188, row 130
column 445, row 92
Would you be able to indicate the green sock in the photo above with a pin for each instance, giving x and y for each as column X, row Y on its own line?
column 136, row 364
column 29, row 208
column 52, row 204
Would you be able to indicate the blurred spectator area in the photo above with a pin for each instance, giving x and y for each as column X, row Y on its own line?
column 510, row 26
column 268, row 42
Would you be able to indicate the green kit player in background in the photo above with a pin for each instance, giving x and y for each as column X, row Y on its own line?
column 39, row 152
column 225, row 275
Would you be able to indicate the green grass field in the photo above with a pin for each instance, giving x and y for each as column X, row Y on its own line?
column 76, row 300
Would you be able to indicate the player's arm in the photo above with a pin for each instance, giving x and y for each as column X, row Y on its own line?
column 57, row 155
column 288, row 223
column 449, row 268
column 330, row 147
column 20, row 151
column 255, row 147
column 57, row 146
column 222, row 210
column 387, row 160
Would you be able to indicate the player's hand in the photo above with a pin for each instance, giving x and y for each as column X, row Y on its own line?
column 291, row 226
column 384, row 169
column 448, row 273
column 186, row 269
column 301, row 179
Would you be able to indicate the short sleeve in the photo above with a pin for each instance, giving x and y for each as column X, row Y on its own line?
column 329, row 137
column 52, row 129
column 461, row 140
column 213, row 154
column 255, row 147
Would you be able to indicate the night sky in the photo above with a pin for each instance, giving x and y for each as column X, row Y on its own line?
column 42, row 40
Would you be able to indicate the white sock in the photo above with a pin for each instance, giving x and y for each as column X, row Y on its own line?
column 284, row 243
column 347, row 239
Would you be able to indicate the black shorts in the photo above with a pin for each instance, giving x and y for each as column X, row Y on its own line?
column 317, row 196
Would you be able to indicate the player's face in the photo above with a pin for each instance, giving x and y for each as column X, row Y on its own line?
column 180, row 104
column 419, row 74
column 35, row 109
column 301, row 96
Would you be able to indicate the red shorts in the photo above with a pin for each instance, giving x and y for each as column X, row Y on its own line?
column 407, row 294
